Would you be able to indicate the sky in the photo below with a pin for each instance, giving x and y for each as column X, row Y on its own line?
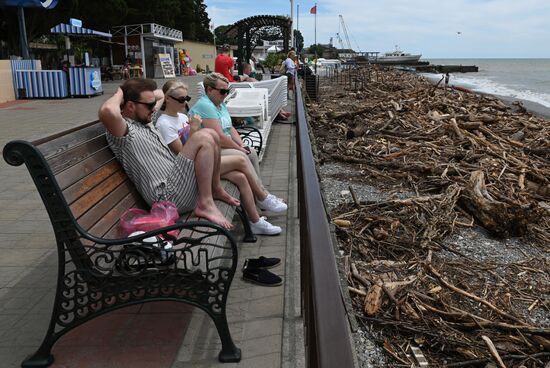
column 433, row 28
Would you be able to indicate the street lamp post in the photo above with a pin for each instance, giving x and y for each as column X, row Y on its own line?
column 23, row 33
column 292, row 24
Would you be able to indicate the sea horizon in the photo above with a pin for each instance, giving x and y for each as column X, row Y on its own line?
column 428, row 58
column 521, row 78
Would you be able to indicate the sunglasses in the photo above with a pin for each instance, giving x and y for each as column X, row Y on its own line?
column 149, row 105
column 181, row 99
column 223, row 91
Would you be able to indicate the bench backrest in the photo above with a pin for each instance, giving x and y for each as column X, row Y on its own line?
column 94, row 185
column 83, row 186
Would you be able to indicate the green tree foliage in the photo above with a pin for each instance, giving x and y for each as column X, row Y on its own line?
column 267, row 33
column 316, row 49
column 194, row 21
column 189, row 16
column 164, row 12
column 38, row 22
column 100, row 15
column 298, row 40
column 273, row 61
column 203, row 24
column 221, row 38
column 257, row 36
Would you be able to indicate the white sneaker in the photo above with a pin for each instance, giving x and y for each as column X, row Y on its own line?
column 273, row 204
column 262, row 227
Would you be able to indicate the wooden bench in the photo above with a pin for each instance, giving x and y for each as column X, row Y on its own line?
column 85, row 191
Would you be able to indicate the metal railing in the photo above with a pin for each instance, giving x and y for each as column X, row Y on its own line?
column 327, row 333
column 148, row 28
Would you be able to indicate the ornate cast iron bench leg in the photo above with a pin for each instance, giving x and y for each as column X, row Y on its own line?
column 42, row 358
column 230, row 353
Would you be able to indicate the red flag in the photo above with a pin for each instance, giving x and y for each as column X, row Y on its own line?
column 313, row 10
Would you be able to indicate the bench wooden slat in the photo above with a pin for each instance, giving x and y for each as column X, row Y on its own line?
column 86, row 167
column 107, row 226
column 132, row 200
column 77, row 153
column 113, row 232
column 61, row 142
column 102, row 208
column 88, row 200
column 84, row 185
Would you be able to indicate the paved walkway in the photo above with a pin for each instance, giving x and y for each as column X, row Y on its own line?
column 265, row 322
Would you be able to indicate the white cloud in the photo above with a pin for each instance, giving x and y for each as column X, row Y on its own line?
column 222, row 16
column 489, row 28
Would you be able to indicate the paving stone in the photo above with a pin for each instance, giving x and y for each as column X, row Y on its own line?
column 13, row 257
column 259, row 348
column 27, row 332
column 9, row 273
column 39, row 277
column 11, row 357
column 263, row 327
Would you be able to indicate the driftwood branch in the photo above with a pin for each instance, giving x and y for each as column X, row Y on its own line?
column 474, row 297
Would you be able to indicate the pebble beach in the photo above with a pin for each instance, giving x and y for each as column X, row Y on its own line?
column 355, row 180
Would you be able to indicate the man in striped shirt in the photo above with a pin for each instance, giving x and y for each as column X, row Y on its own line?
column 190, row 179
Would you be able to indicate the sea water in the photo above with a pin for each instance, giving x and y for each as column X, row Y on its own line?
column 526, row 79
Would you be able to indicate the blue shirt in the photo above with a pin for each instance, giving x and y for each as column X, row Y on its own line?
column 207, row 110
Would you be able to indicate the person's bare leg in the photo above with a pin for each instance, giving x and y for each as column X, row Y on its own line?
column 239, row 163
column 217, row 190
column 200, row 149
column 240, row 180
column 251, row 162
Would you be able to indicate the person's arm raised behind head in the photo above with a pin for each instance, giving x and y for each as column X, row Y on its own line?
column 159, row 96
column 111, row 115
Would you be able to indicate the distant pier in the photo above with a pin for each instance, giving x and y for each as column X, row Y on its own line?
column 426, row 67
column 418, row 66
column 447, row 68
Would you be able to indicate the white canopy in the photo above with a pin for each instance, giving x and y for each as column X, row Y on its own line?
column 274, row 49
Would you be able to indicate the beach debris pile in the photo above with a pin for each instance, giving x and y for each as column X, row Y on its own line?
column 464, row 161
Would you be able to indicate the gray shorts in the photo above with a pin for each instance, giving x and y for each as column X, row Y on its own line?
column 181, row 186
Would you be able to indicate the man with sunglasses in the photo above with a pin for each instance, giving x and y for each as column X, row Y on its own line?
column 215, row 115
column 158, row 174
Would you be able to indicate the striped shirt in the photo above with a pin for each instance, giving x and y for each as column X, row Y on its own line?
column 147, row 161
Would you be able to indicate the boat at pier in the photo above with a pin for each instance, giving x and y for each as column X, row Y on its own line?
column 397, row 57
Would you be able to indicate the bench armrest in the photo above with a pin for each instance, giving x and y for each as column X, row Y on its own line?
column 201, row 246
column 251, row 136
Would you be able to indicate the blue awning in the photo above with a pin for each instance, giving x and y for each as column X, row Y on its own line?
column 69, row 30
